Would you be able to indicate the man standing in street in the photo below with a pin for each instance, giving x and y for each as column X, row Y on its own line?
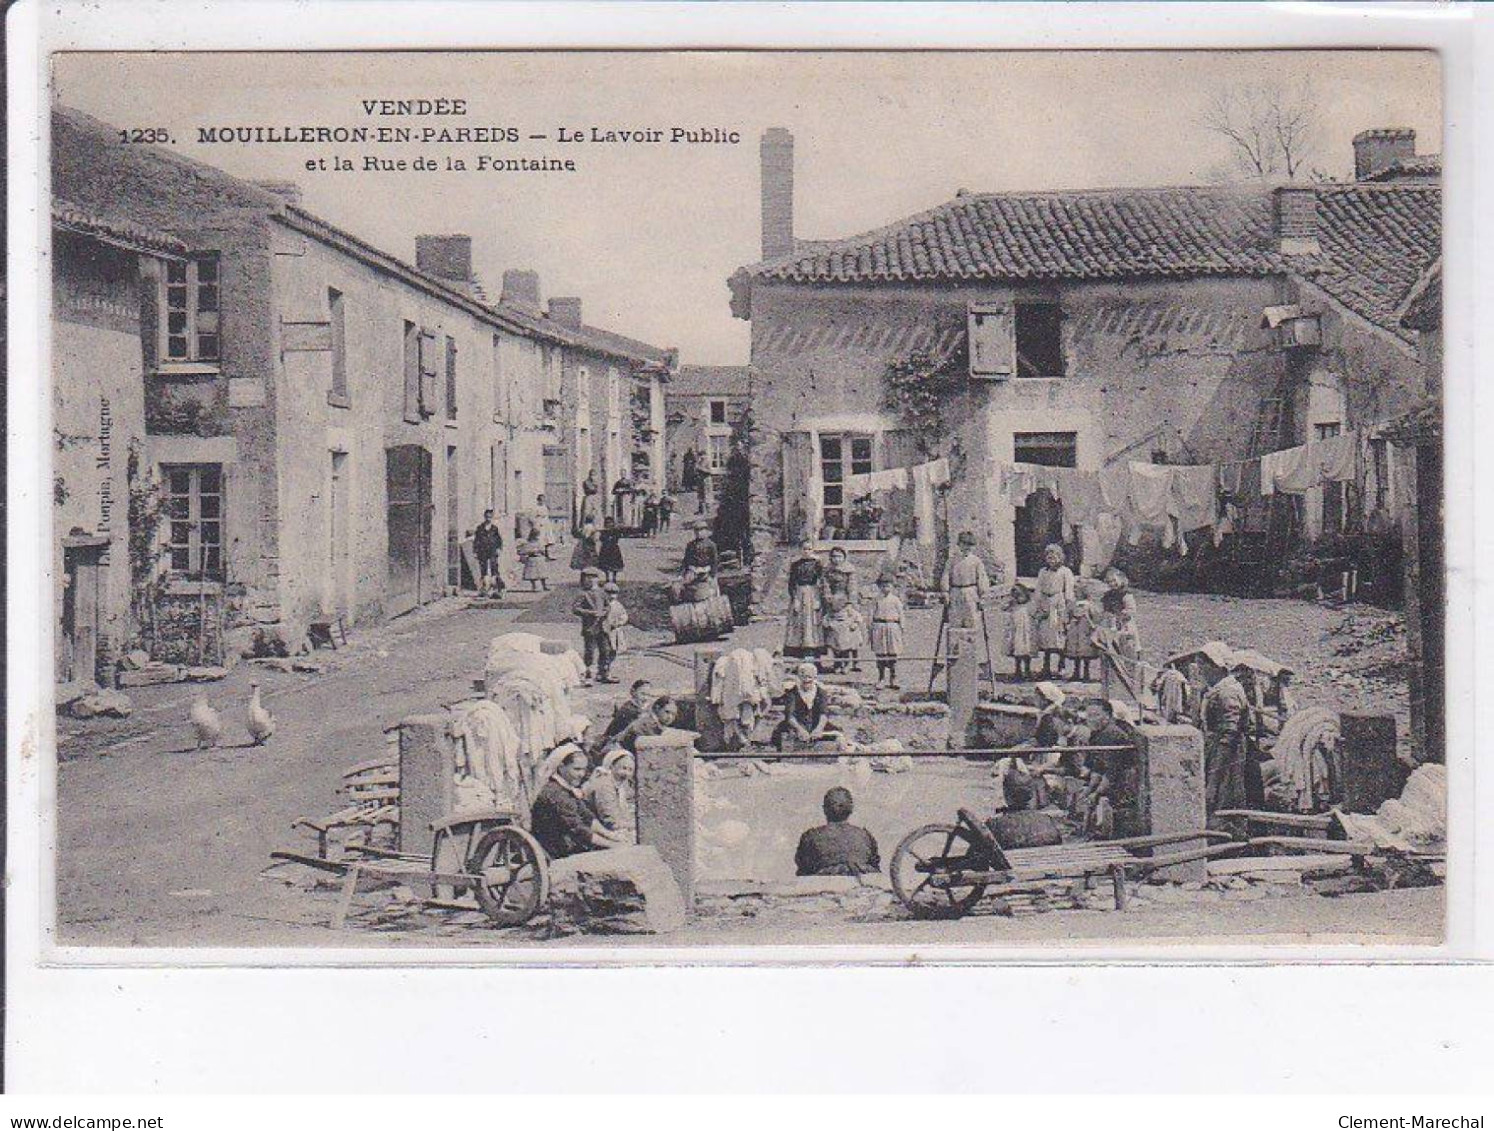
column 487, row 544
column 1226, row 714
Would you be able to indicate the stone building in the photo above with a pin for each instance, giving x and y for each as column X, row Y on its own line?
column 98, row 429
column 324, row 422
column 1416, row 438
column 1078, row 329
column 605, row 397
column 704, row 403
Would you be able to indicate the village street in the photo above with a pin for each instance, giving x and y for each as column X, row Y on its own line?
column 162, row 844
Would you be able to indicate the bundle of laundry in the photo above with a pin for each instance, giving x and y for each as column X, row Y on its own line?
column 1305, row 754
column 741, row 685
column 567, row 665
column 493, row 770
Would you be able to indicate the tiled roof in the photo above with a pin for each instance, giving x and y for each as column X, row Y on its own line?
column 1375, row 240
column 712, row 380
column 1055, row 235
column 1422, row 165
column 120, row 232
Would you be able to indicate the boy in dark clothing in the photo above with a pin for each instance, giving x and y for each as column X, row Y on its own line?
column 487, row 544
column 838, row 848
column 591, row 607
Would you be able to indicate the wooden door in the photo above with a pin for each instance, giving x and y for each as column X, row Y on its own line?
column 408, row 474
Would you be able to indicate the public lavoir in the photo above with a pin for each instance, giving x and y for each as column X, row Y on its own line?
column 1067, row 543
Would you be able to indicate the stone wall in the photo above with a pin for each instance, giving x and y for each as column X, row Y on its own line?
column 98, row 412
column 1179, row 367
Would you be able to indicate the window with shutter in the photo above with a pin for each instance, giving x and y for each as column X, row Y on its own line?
column 992, row 341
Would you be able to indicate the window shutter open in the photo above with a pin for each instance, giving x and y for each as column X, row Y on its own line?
column 150, row 312
column 412, row 374
column 991, row 331
column 797, row 453
column 428, row 371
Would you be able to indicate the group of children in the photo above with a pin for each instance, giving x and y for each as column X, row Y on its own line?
column 1053, row 620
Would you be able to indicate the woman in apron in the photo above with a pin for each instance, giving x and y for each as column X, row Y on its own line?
column 803, row 634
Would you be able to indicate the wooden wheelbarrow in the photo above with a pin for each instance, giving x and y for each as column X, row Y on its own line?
column 489, row 855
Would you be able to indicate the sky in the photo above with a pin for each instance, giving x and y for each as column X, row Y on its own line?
column 648, row 234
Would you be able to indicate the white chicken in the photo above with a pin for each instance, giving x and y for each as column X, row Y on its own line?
column 205, row 722
column 259, row 722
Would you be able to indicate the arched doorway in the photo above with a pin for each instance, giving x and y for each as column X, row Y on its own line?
column 1037, row 524
column 1040, row 520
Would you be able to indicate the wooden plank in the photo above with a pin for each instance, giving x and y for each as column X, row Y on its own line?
column 1313, row 844
column 1318, row 821
column 1305, row 862
column 345, row 900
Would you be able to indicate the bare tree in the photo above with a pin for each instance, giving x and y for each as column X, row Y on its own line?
column 1272, row 130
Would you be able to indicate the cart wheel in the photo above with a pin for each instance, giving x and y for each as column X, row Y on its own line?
column 929, row 856
column 511, row 876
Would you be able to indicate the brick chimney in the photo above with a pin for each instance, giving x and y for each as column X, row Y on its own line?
column 1377, row 150
column 778, row 192
column 521, row 287
column 288, row 191
column 448, row 258
column 566, row 311
column 1297, row 219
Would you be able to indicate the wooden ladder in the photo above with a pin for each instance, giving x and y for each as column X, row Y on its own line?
column 1267, row 434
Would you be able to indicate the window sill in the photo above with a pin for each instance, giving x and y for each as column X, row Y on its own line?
column 452, row 424
column 337, row 401
column 188, row 369
column 1035, row 377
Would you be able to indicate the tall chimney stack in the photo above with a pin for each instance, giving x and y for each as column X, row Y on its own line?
column 566, row 311
column 1297, row 220
column 778, row 192
column 1377, row 150
column 521, row 287
column 288, row 191
column 448, row 258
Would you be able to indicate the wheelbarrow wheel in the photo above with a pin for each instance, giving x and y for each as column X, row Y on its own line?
column 927, row 868
column 511, row 876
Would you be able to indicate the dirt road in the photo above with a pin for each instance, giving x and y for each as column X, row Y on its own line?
column 160, row 844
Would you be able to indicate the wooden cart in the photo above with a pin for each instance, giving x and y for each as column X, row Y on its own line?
column 489, row 856
column 943, row 871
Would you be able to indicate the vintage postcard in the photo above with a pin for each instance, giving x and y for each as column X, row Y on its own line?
column 546, row 500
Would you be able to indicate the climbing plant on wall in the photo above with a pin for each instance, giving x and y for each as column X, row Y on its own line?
column 917, row 387
column 144, row 523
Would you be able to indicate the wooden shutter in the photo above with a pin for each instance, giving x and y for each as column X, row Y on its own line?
column 798, row 451
column 429, row 367
column 901, row 451
column 412, row 374
column 150, row 312
column 992, row 331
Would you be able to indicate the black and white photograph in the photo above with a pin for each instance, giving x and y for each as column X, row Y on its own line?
column 536, row 501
